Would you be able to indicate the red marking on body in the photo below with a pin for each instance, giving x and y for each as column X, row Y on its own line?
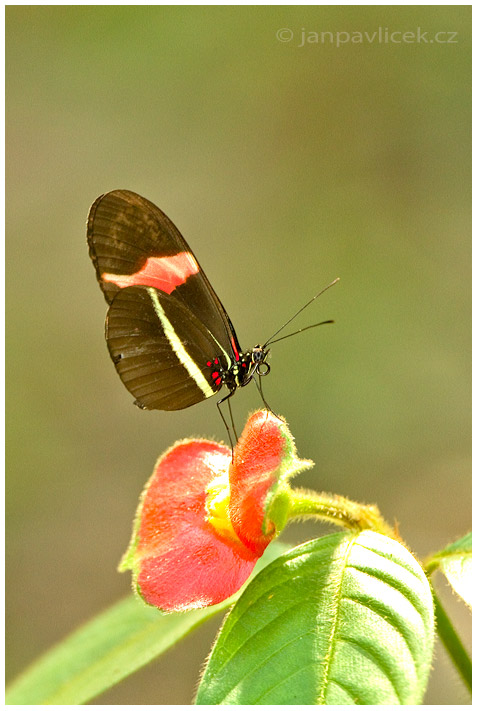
column 209, row 363
column 216, row 361
column 244, row 365
column 235, row 349
column 164, row 273
column 218, row 381
column 215, row 375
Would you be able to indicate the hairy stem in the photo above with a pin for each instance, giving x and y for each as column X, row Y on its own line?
column 339, row 510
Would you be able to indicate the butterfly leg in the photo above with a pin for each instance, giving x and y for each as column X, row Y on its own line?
column 227, row 397
column 258, row 383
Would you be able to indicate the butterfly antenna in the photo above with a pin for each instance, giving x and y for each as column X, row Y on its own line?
column 299, row 312
column 313, row 325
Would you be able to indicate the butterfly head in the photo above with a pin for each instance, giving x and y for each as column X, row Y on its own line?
column 254, row 362
column 259, row 360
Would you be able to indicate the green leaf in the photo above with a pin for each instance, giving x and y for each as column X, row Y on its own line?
column 455, row 561
column 104, row 651
column 345, row 619
column 109, row 648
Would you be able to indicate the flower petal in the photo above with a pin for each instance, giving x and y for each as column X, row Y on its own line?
column 252, row 474
column 179, row 560
column 264, row 460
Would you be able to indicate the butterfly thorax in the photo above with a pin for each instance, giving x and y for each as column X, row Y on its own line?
column 239, row 373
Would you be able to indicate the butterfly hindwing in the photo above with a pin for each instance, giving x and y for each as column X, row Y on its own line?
column 161, row 351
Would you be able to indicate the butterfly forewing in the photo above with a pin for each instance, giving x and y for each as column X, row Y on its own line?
column 124, row 230
column 132, row 242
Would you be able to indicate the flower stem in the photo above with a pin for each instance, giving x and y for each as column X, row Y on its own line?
column 339, row 510
column 452, row 642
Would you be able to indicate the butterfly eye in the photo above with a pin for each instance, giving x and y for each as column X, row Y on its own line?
column 258, row 354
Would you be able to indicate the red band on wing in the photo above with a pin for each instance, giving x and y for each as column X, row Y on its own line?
column 164, row 273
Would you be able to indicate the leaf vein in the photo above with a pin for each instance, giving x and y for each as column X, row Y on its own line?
column 261, row 629
column 389, row 557
column 412, row 597
column 265, row 660
column 372, row 654
column 336, row 600
column 387, row 619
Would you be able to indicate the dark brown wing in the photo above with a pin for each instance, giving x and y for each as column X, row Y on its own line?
column 160, row 349
column 132, row 242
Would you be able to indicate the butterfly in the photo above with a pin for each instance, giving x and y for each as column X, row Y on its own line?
column 168, row 334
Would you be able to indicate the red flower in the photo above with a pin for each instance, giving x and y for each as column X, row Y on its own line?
column 204, row 520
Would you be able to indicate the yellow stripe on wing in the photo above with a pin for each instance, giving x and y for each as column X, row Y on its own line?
column 191, row 367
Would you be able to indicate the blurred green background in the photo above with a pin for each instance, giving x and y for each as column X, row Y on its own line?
column 284, row 167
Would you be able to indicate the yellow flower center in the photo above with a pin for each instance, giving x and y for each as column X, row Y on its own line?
column 217, row 507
